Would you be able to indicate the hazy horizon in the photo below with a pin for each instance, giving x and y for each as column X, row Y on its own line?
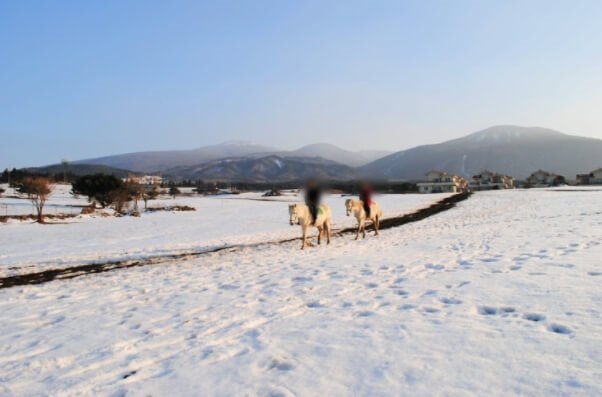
column 88, row 80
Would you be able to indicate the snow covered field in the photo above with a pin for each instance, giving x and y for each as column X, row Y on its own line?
column 500, row 296
column 218, row 221
column 61, row 202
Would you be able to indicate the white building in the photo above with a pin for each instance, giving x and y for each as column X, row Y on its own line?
column 541, row 178
column 488, row 180
column 593, row 178
column 146, row 180
column 442, row 182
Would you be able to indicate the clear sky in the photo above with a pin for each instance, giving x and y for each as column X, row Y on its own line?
column 87, row 78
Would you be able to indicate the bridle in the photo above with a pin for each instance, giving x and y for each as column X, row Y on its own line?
column 349, row 207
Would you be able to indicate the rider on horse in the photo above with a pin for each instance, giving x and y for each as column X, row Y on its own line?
column 366, row 198
column 313, row 196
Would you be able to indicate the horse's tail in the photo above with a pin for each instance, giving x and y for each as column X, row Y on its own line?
column 377, row 210
column 327, row 212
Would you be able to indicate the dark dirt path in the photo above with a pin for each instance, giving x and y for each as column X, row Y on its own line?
column 82, row 270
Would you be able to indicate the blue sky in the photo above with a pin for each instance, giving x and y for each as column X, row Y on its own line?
column 80, row 79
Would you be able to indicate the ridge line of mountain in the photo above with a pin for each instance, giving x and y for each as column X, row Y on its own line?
column 507, row 149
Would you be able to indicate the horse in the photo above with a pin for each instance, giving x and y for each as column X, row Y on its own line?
column 356, row 207
column 301, row 215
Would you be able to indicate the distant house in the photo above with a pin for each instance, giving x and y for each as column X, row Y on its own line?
column 541, row 178
column 593, row 178
column 146, row 180
column 488, row 180
column 442, row 182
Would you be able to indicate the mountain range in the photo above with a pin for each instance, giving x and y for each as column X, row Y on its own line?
column 271, row 168
column 507, row 149
column 159, row 161
column 511, row 150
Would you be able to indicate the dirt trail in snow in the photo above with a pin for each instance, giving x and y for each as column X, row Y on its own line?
column 81, row 270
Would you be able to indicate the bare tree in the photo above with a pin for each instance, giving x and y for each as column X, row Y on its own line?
column 38, row 190
column 150, row 193
column 136, row 191
column 119, row 198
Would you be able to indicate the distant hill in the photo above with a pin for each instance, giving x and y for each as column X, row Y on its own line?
column 512, row 150
column 159, row 161
column 508, row 149
column 269, row 168
column 335, row 153
column 79, row 169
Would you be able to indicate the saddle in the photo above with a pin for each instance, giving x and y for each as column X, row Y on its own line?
column 319, row 212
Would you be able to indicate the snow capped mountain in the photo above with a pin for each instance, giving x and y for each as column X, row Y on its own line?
column 236, row 143
column 512, row 150
column 159, row 161
column 504, row 134
column 269, row 168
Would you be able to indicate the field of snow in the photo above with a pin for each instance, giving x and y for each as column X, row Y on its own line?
column 499, row 296
column 61, row 202
column 218, row 221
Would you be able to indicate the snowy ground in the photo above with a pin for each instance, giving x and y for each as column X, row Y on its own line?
column 500, row 296
column 218, row 221
column 61, row 202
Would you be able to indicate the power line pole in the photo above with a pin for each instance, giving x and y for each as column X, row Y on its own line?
column 8, row 177
column 65, row 164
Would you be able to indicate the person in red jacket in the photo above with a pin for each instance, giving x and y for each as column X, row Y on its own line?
column 366, row 197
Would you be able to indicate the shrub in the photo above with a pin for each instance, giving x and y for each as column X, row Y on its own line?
column 174, row 191
column 87, row 210
column 98, row 188
column 272, row 193
column 119, row 199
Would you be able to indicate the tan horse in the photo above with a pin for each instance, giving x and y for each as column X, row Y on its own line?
column 300, row 214
column 356, row 207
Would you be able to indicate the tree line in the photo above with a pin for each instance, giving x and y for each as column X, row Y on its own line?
column 349, row 187
column 100, row 189
column 107, row 190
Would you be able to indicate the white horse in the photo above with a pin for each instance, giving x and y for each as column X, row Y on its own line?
column 356, row 207
column 300, row 214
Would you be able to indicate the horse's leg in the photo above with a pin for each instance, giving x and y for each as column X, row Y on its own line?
column 359, row 228
column 375, row 223
column 304, row 228
column 364, row 229
column 319, row 235
column 308, row 242
column 328, row 232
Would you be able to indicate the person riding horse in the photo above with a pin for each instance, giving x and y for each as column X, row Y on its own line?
column 366, row 198
column 313, row 197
